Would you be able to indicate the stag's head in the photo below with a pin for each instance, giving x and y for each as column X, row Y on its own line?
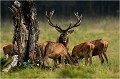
column 64, row 32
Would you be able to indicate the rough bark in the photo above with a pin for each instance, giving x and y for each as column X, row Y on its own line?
column 26, row 30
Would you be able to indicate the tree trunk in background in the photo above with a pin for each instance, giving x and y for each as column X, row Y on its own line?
column 26, row 30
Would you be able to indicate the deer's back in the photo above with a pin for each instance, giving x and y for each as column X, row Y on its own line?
column 7, row 49
column 81, row 48
column 59, row 48
column 42, row 44
column 55, row 50
column 98, row 44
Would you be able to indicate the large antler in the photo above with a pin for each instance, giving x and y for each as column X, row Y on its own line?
column 50, row 22
column 77, row 23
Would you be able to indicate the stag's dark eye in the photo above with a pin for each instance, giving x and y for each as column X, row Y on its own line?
column 62, row 34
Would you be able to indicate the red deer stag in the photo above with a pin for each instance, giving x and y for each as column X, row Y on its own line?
column 83, row 50
column 63, row 38
column 100, row 48
column 54, row 51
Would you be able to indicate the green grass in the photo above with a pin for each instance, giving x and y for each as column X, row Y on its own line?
column 93, row 28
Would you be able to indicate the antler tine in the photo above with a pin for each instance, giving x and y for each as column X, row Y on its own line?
column 79, row 19
column 81, row 16
column 70, row 24
column 76, row 14
column 77, row 23
column 11, row 9
column 52, row 12
column 49, row 20
column 46, row 14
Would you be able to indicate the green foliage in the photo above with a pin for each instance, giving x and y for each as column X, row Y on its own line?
column 93, row 28
column 4, row 62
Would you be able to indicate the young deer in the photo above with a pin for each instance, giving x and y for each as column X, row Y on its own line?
column 100, row 48
column 83, row 50
column 54, row 51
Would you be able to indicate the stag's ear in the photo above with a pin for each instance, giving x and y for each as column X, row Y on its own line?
column 70, row 31
column 59, row 30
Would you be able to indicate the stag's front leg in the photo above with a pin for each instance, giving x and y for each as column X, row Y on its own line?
column 62, row 60
column 59, row 60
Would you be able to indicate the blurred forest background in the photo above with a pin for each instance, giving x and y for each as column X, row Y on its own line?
column 65, row 9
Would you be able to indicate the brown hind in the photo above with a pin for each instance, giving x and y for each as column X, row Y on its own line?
column 83, row 50
column 54, row 51
column 100, row 48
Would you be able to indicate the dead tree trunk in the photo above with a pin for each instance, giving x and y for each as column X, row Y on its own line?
column 26, row 31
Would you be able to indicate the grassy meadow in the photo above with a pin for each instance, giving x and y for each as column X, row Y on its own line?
column 106, row 28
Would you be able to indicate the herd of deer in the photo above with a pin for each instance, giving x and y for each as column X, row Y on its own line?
column 59, row 50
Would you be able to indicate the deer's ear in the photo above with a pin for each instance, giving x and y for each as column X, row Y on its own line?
column 70, row 31
column 59, row 30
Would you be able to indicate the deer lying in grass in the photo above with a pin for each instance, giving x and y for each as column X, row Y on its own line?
column 100, row 48
column 83, row 50
column 54, row 51
column 63, row 38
